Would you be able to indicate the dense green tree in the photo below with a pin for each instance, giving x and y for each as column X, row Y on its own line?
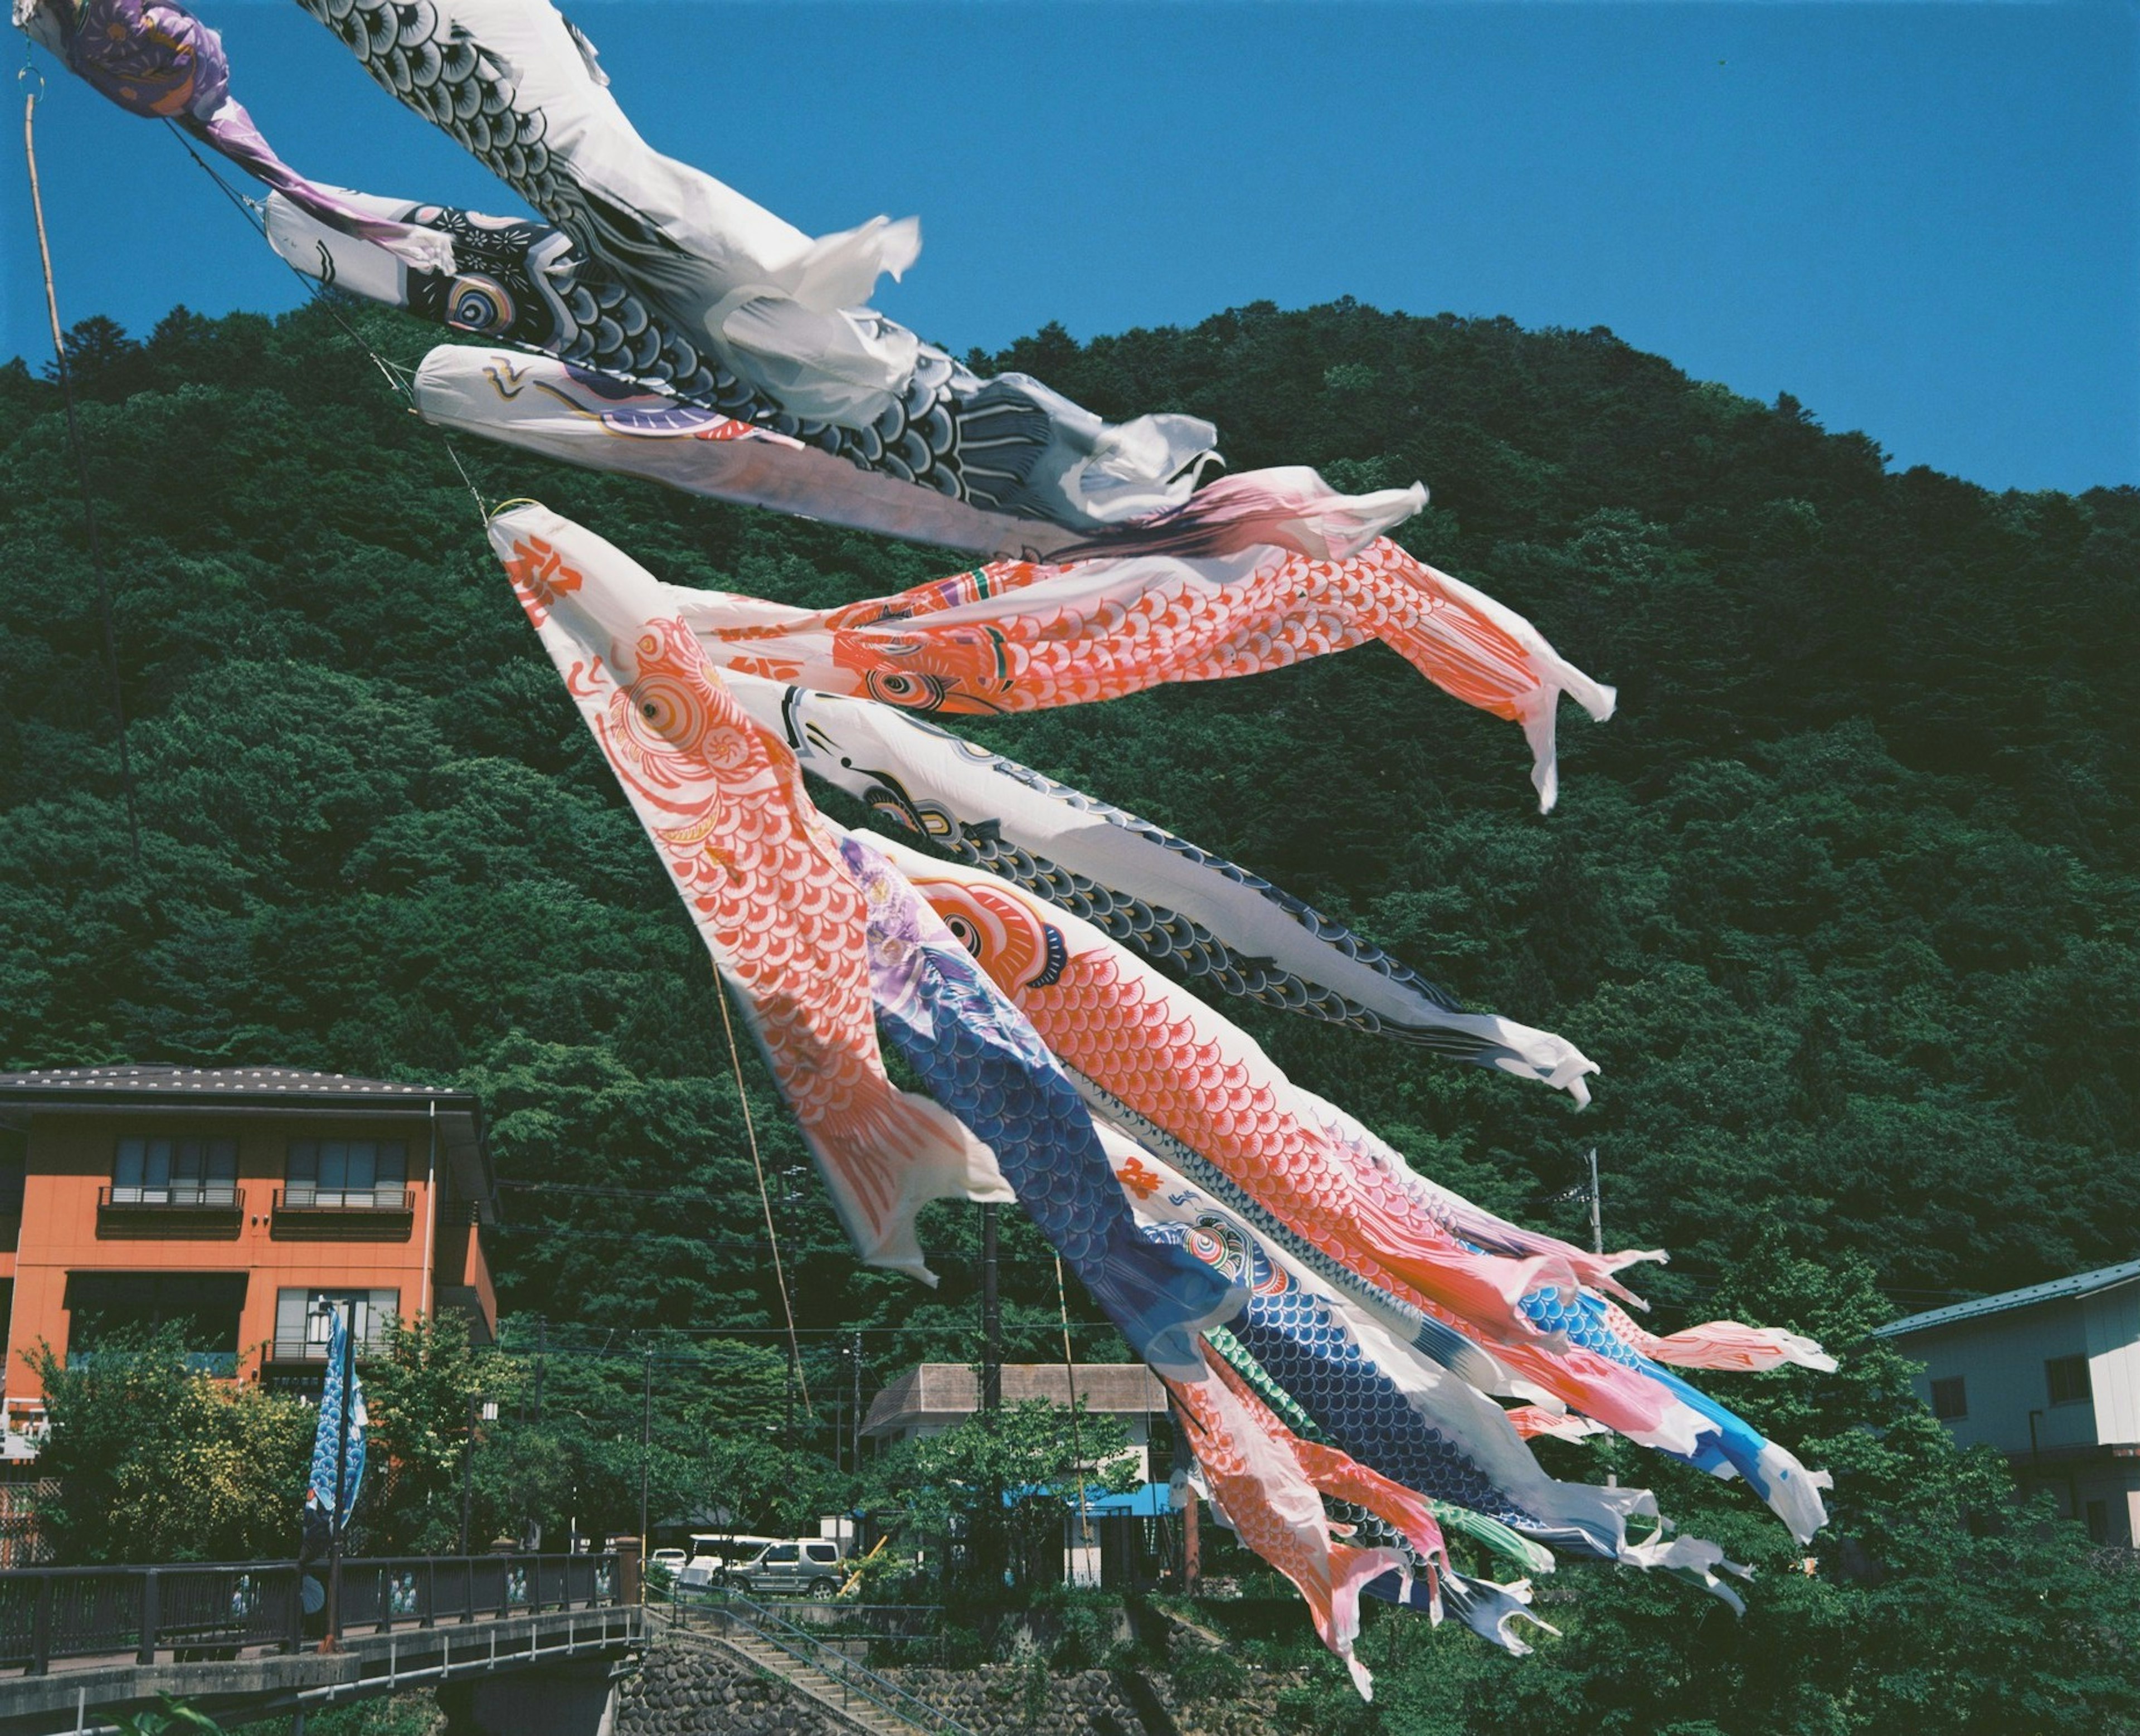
column 150, row 1460
column 1844, row 901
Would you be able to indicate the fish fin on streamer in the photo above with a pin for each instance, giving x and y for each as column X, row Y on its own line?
column 1491, row 1609
column 1256, row 1478
column 1726, row 1344
column 1486, row 654
column 931, row 1155
column 1530, row 1421
column 1341, row 1477
column 1696, row 1560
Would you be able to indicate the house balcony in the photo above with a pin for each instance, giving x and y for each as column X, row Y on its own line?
column 200, row 1211
column 305, row 1212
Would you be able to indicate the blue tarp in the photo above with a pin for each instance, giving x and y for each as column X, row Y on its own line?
column 1149, row 1502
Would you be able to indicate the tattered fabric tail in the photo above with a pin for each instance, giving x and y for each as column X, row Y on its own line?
column 230, row 131
column 1290, row 507
column 1257, row 1480
column 1488, row 655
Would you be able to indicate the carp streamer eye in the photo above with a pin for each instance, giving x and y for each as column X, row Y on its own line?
column 478, row 304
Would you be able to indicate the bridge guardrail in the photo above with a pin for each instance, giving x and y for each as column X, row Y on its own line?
column 219, row 1610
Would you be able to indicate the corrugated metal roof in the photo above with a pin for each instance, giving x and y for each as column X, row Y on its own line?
column 165, row 1081
column 2085, row 1283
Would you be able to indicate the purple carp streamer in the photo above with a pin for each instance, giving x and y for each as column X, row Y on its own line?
column 155, row 59
column 737, row 290
column 722, row 801
column 1178, row 905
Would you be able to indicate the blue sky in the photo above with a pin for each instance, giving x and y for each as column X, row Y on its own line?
column 1922, row 220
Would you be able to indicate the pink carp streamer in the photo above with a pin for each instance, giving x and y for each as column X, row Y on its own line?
column 1015, row 636
column 1170, row 1069
column 155, row 59
column 1156, row 1049
column 722, row 801
column 1252, row 1467
column 1726, row 1345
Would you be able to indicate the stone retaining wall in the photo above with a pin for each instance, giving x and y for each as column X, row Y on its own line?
column 700, row 1691
column 1025, row 1699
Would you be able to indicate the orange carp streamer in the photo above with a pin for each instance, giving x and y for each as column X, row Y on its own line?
column 1186, row 1076
column 722, row 801
column 1018, row 636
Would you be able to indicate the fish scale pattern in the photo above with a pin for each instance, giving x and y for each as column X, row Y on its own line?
column 981, row 1059
column 1314, row 1359
column 722, row 800
column 950, row 430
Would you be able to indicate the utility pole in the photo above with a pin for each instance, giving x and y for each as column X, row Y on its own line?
column 645, row 1457
column 857, row 1452
column 991, row 1318
column 1596, row 1221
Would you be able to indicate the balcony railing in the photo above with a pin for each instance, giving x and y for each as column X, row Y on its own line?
column 208, row 1196
column 305, row 1196
column 310, row 1213
column 308, row 1350
column 200, row 1210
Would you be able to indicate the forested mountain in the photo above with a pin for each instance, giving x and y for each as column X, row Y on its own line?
column 1844, row 899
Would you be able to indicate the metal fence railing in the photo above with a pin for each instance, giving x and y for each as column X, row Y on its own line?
column 731, row 1616
column 186, row 1612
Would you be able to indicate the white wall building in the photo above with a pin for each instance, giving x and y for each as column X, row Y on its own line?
column 2049, row 1376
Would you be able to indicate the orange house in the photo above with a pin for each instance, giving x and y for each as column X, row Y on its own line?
column 228, row 1201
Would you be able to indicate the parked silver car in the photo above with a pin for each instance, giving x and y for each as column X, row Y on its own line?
column 806, row 1567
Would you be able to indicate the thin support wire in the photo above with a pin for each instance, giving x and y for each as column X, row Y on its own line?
column 764, row 1198
column 81, row 477
column 396, row 376
column 1070, row 1374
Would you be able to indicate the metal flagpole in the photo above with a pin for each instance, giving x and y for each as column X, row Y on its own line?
column 333, row 1641
column 1597, row 1221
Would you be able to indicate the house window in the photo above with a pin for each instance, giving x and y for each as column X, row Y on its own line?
column 365, row 1174
column 176, row 1172
column 203, row 1307
column 1950, row 1399
column 2098, row 1521
column 2067, row 1378
column 301, row 1333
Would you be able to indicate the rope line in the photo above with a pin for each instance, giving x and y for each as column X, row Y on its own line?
column 764, row 1198
column 397, row 377
column 1070, row 1374
column 81, row 477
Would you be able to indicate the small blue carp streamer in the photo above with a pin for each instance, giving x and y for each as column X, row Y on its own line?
column 1395, row 1412
column 983, row 1062
column 327, row 1454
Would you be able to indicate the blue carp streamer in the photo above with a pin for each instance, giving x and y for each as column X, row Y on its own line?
column 983, row 1062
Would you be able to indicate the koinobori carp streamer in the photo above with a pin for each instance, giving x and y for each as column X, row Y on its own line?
column 1178, row 904
column 722, row 801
